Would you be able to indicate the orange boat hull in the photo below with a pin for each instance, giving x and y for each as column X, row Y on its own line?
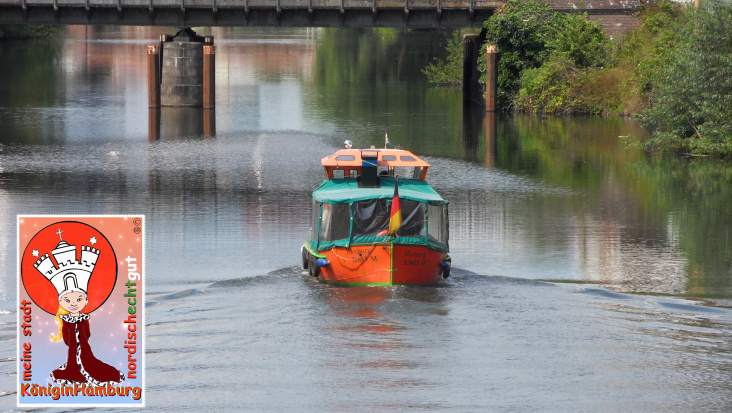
column 377, row 265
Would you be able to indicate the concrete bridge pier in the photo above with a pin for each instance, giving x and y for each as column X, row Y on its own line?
column 181, row 73
column 474, row 94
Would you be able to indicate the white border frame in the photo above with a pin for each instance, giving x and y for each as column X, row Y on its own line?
column 142, row 324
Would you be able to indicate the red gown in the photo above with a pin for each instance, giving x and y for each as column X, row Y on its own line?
column 81, row 366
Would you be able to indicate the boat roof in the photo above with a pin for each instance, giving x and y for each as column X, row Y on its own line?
column 386, row 157
column 344, row 191
column 354, row 159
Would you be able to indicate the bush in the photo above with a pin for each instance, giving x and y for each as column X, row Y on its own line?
column 581, row 41
column 523, row 32
column 559, row 87
column 639, row 54
column 691, row 101
column 546, row 89
column 529, row 34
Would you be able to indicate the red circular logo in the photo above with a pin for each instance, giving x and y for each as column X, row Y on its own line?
column 63, row 248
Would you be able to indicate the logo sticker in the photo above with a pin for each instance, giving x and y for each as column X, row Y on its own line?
column 80, row 311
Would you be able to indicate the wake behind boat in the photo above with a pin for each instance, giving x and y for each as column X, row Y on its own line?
column 373, row 226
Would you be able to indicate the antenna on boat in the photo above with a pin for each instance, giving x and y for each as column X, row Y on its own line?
column 348, row 144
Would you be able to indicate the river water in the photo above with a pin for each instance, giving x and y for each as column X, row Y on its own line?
column 587, row 276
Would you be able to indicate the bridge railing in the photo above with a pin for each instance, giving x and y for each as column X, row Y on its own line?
column 295, row 13
column 269, row 4
column 322, row 4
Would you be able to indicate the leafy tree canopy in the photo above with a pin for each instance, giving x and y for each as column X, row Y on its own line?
column 691, row 102
column 529, row 33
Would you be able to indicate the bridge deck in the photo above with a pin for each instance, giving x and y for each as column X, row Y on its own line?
column 294, row 13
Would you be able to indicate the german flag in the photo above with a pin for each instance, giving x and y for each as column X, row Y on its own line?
column 395, row 218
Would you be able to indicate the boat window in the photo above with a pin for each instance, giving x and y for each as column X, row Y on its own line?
column 412, row 219
column 417, row 174
column 353, row 173
column 315, row 220
column 437, row 223
column 370, row 217
column 402, row 171
column 339, row 173
column 335, row 222
column 407, row 158
column 345, row 158
column 388, row 158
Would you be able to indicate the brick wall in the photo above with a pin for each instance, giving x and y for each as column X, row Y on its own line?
column 616, row 25
column 590, row 5
column 615, row 16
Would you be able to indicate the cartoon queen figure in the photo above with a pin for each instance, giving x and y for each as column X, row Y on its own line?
column 71, row 280
column 81, row 365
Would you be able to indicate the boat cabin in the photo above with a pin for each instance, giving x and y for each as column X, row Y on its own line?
column 353, row 205
column 368, row 164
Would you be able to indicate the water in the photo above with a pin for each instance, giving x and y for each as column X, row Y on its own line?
column 587, row 276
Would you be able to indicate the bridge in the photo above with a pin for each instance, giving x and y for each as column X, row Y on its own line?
column 421, row 14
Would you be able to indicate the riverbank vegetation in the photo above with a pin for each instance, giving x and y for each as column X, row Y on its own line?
column 674, row 72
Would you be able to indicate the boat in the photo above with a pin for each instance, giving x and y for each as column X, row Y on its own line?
column 376, row 221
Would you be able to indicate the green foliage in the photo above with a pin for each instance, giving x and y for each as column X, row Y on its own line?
column 580, row 40
column 691, row 109
column 638, row 55
column 26, row 31
column 529, row 35
column 450, row 70
column 546, row 89
column 559, row 87
column 523, row 32
column 594, row 75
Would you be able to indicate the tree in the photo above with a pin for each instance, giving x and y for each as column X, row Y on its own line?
column 691, row 103
column 580, row 40
column 523, row 32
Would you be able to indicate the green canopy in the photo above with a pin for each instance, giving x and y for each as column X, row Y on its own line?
column 344, row 191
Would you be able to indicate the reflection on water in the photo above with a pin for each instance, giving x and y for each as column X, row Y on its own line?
column 556, row 198
column 226, row 195
column 171, row 123
column 480, row 135
column 620, row 218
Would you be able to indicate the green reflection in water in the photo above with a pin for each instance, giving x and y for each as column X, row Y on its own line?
column 573, row 152
column 687, row 200
column 696, row 196
column 370, row 82
column 31, row 73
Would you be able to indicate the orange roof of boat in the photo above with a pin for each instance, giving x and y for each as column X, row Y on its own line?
column 385, row 157
column 350, row 160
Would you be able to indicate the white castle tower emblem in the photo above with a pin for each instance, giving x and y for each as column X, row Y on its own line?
column 71, row 275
